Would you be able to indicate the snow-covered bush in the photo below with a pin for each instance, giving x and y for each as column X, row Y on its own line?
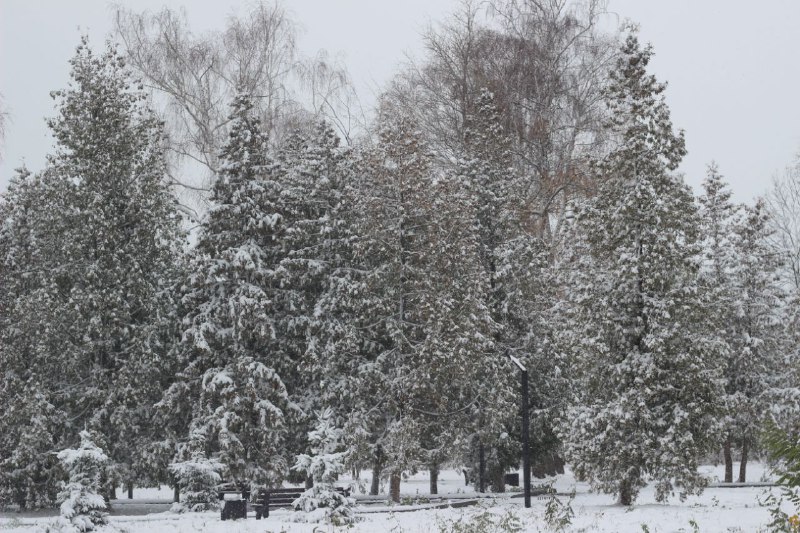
column 29, row 475
column 482, row 520
column 198, row 478
column 322, row 502
column 82, row 507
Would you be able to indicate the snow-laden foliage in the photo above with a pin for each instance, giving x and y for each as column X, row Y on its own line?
column 90, row 246
column 31, row 424
column 719, row 263
column 29, row 472
column 757, row 363
column 82, row 506
column 228, row 387
column 742, row 274
column 198, row 477
column 486, row 193
column 423, row 332
column 391, row 281
column 784, row 395
column 322, row 502
column 313, row 181
column 650, row 387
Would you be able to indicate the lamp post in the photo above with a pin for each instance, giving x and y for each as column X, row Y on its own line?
column 526, row 460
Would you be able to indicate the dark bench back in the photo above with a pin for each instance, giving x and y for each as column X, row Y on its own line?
column 266, row 499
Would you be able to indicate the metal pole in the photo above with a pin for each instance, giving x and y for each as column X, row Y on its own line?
column 526, row 459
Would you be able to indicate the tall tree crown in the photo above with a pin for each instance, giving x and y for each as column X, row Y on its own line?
column 639, row 115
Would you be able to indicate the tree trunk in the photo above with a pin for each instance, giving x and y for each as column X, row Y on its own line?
column 309, row 482
column 130, row 491
column 726, row 452
column 377, row 470
column 537, row 470
column 625, row 493
column 743, row 463
column 549, row 464
column 466, row 477
column 394, row 487
column 559, row 464
column 434, row 479
column 498, row 480
column 105, row 490
column 481, row 468
column 375, row 487
column 176, row 492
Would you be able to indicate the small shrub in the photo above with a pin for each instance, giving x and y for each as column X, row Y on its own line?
column 558, row 514
column 484, row 521
column 323, row 502
column 198, row 478
column 82, row 506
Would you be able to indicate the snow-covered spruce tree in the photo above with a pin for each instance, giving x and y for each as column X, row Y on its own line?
column 197, row 476
column 313, row 177
column 31, row 425
column 83, row 507
column 423, row 345
column 720, row 260
column 458, row 377
column 650, row 389
column 107, row 239
column 504, row 253
column 784, row 394
column 395, row 222
column 322, row 502
column 29, row 471
column 756, row 362
column 228, row 385
column 340, row 355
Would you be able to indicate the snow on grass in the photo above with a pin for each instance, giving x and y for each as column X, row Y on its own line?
column 723, row 510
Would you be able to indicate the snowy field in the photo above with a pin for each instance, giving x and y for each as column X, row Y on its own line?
column 717, row 510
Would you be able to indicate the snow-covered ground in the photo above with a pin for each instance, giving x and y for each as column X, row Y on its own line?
column 716, row 510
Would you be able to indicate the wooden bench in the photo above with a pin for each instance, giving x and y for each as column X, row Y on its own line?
column 266, row 499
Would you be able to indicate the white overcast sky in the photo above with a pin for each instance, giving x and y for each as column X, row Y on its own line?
column 732, row 66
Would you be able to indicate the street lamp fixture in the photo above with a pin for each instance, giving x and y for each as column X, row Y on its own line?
column 526, row 460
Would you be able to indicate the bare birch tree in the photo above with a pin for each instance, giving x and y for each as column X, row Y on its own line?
column 193, row 76
column 783, row 203
column 3, row 124
column 546, row 62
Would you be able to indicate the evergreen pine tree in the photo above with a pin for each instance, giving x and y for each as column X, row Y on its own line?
column 228, row 384
column 83, row 507
column 95, row 254
column 323, row 501
column 30, row 471
column 719, row 263
column 650, row 385
column 423, row 338
column 395, row 224
column 197, row 475
column 31, row 425
column 340, row 357
column 755, row 362
column 508, row 261
column 313, row 178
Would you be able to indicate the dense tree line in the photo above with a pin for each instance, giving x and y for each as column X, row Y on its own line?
column 515, row 195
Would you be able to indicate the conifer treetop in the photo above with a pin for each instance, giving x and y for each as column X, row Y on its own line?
column 639, row 115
